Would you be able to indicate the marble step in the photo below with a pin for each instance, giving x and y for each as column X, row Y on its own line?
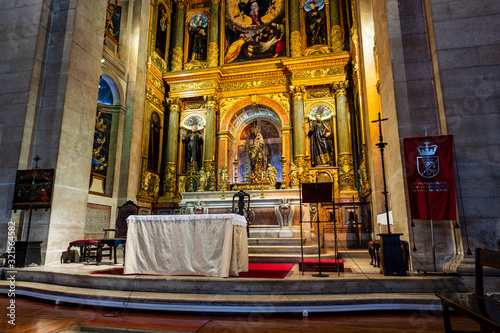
column 308, row 249
column 284, row 258
column 274, row 241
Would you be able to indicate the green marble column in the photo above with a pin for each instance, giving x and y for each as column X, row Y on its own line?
column 345, row 163
column 213, row 46
column 299, row 139
column 172, row 147
column 210, row 142
column 336, row 38
column 178, row 38
column 295, row 42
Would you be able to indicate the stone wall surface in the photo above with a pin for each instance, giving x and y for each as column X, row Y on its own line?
column 22, row 26
column 468, row 52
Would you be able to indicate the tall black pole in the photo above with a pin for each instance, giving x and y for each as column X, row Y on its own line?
column 381, row 146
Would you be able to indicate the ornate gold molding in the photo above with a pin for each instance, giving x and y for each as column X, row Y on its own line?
column 177, row 59
column 175, row 88
column 336, row 39
column 297, row 92
column 170, row 178
column 282, row 99
column 151, row 97
column 295, row 44
column 318, row 73
column 340, row 88
column 213, row 55
column 346, row 171
column 320, row 93
column 157, row 84
column 253, row 84
column 159, row 62
column 225, row 104
column 195, row 65
column 316, row 50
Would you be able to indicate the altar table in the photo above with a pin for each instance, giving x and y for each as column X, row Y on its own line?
column 209, row 245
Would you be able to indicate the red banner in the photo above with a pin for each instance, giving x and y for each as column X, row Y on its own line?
column 430, row 177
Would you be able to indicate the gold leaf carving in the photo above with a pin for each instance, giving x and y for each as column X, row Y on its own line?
column 192, row 86
column 151, row 97
column 319, row 73
column 253, row 84
column 213, row 55
column 225, row 104
column 177, row 59
column 157, row 84
column 195, row 65
column 295, row 44
column 316, row 50
column 282, row 99
column 322, row 93
column 336, row 38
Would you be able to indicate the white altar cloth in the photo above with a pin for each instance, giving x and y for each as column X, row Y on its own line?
column 209, row 245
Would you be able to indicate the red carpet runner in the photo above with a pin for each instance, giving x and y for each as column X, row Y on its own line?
column 268, row 271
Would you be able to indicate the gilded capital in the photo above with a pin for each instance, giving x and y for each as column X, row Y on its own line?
column 340, row 88
column 181, row 4
column 177, row 59
column 175, row 104
column 211, row 101
column 297, row 92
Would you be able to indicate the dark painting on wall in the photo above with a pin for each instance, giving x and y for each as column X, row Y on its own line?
column 161, row 31
column 33, row 189
column 100, row 152
column 254, row 29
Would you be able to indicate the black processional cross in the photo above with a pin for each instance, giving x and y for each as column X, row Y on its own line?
column 381, row 145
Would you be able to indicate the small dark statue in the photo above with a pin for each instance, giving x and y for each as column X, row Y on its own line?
column 242, row 210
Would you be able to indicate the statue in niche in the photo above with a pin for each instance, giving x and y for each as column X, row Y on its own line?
column 321, row 141
column 271, row 175
column 154, row 142
column 197, row 38
column 193, row 142
column 315, row 23
column 257, row 154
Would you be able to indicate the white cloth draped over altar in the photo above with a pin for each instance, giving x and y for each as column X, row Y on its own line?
column 208, row 245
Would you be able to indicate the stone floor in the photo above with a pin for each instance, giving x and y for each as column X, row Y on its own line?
column 361, row 288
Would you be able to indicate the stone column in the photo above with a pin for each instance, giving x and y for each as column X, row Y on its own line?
column 210, row 133
column 336, row 35
column 178, row 42
column 213, row 46
column 345, row 163
column 172, row 148
column 299, row 140
column 295, row 40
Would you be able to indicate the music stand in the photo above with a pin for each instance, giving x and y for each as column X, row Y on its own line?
column 315, row 193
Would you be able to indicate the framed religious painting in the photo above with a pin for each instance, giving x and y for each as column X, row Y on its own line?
column 254, row 30
column 33, row 189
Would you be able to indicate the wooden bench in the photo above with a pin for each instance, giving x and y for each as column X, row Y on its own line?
column 477, row 306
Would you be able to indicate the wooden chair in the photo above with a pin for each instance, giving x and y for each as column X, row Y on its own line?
column 129, row 208
column 478, row 306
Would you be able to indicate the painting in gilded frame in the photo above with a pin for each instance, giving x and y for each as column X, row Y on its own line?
column 254, row 30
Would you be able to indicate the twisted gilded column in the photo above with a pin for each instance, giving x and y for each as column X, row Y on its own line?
column 213, row 47
column 177, row 51
column 336, row 34
column 172, row 147
column 295, row 40
column 210, row 133
column 299, row 140
column 345, row 163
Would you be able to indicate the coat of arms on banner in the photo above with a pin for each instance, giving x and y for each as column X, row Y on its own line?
column 427, row 164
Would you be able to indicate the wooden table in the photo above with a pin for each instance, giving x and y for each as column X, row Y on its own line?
column 208, row 245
